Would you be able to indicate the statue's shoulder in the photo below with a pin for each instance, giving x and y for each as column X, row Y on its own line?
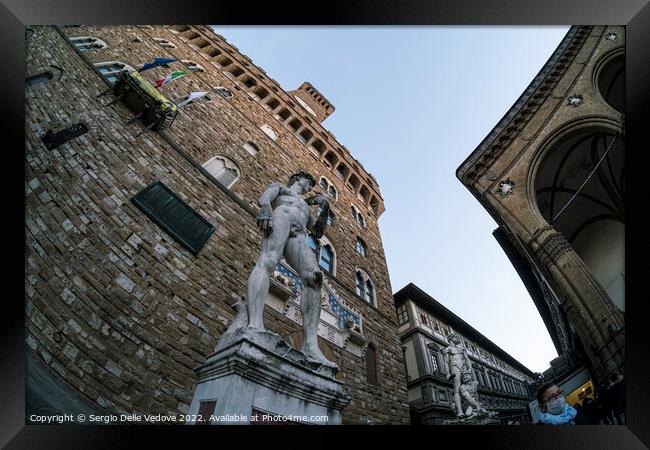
column 282, row 189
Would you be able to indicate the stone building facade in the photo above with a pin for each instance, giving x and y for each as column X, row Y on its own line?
column 552, row 174
column 118, row 312
column 424, row 325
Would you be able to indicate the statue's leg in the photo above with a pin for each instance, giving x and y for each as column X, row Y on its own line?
column 456, row 372
column 257, row 288
column 302, row 258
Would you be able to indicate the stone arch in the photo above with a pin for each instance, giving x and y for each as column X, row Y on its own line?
column 608, row 79
column 584, row 124
column 579, row 191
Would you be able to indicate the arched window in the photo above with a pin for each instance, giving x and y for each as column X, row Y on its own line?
column 369, row 292
column 361, row 247
column 328, row 187
column 371, row 364
column 327, row 258
column 324, row 254
column 164, row 43
column 311, row 242
column 270, row 132
column 222, row 91
column 357, row 216
column 330, row 215
column 364, row 288
column 251, row 148
column 110, row 70
column 223, row 169
column 193, row 66
column 39, row 78
column 85, row 43
column 359, row 285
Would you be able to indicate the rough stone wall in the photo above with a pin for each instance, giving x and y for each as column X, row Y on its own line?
column 114, row 306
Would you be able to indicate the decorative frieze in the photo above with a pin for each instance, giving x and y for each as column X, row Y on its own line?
column 339, row 324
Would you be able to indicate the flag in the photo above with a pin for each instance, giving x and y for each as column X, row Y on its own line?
column 190, row 98
column 171, row 76
column 156, row 62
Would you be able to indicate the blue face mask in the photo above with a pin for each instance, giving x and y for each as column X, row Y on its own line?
column 556, row 406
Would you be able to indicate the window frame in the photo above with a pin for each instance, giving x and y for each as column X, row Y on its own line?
column 318, row 252
column 361, row 247
column 114, row 73
column 193, row 64
column 403, row 316
column 89, row 45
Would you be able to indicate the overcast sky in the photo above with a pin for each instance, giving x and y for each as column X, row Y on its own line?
column 411, row 104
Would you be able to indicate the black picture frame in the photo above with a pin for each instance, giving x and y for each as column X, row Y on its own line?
column 635, row 14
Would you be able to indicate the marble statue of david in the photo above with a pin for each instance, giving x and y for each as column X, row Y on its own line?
column 284, row 219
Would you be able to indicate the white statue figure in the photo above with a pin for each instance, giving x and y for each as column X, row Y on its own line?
column 284, row 218
column 467, row 390
column 458, row 362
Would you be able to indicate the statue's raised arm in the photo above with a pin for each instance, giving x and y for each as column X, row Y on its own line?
column 317, row 226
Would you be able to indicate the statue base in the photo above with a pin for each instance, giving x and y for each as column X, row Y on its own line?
column 487, row 418
column 256, row 377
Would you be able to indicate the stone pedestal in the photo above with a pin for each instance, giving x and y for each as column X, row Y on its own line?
column 256, row 377
column 487, row 418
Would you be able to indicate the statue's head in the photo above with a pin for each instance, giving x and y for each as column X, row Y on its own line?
column 453, row 337
column 466, row 377
column 304, row 179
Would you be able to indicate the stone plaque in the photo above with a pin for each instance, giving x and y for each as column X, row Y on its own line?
column 174, row 216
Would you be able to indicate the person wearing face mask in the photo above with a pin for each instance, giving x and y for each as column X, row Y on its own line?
column 555, row 410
